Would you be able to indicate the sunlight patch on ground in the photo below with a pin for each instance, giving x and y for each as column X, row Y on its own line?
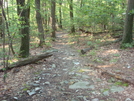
column 111, row 51
column 6, row 46
column 85, row 70
column 106, row 66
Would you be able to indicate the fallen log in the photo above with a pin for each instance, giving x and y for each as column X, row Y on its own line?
column 96, row 33
column 83, row 51
column 30, row 60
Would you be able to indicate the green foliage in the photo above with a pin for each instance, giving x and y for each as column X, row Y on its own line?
column 97, row 60
column 131, row 12
column 3, row 69
column 92, row 53
column 26, row 87
column 5, row 75
column 91, row 16
column 116, row 55
column 114, row 60
column 89, row 43
column 127, row 45
column 104, row 90
column 121, row 83
column 48, row 41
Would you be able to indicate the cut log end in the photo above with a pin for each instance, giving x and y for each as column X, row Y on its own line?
column 83, row 51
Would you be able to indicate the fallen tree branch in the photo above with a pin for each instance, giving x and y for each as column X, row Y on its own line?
column 96, row 33
column 29, row 60
column 106, row 73
column 83, row 51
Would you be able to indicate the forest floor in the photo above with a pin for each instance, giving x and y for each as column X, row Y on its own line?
column 70, row 76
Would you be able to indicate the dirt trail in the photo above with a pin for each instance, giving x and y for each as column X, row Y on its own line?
column 66, row 77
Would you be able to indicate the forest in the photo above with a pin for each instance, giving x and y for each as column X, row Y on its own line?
column 66, row 50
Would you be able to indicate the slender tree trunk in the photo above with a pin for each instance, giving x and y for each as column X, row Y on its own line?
column 81, row 3
column 1, row 20
column 4, row 41
column 5, row 24
column 71, row 16
column 45, row 20
column 24, row 13
column 128, row 27
column 53, row 9
column 60, row 15
column 39, row 23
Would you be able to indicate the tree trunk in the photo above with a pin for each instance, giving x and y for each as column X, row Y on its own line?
column 71, row 16
column 24, row 13
column 81, row 3
column 39, row 23
column 45, row 20
column 53, row 9
column 60, row 15
column 1, row 20
column 127, row 34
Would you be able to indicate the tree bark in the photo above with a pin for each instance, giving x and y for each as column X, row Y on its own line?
column 39, row 23
column 60, row 15
column 29, row 60
column 1, row 20
column 53, row 9
column 71, row 16
column 45, row 20
column 127, row 34
column 23, row 11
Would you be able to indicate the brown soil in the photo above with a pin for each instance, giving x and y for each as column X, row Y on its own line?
column 68, row 66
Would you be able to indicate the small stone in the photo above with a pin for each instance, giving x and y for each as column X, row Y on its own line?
column 96, row 99
column 64, row 69
column 36, row 78
column 47, row 83
column 77, row 91
column 106, row 93
column 36, row 81
column 72, row 55
column 54, row 75
column 37, row 89
column 66, row 82
column 92, row 87
column 58, row 75
column 16, row 70
column 16, row 98
column 80, row 84
column 128, row 99
column 116, row 89
column 53, row 66
column 76, row 63
column 31, row 93
column 34, row 84
column 71, row 73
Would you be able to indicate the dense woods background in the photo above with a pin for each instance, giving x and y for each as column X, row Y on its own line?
column 26, row 24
